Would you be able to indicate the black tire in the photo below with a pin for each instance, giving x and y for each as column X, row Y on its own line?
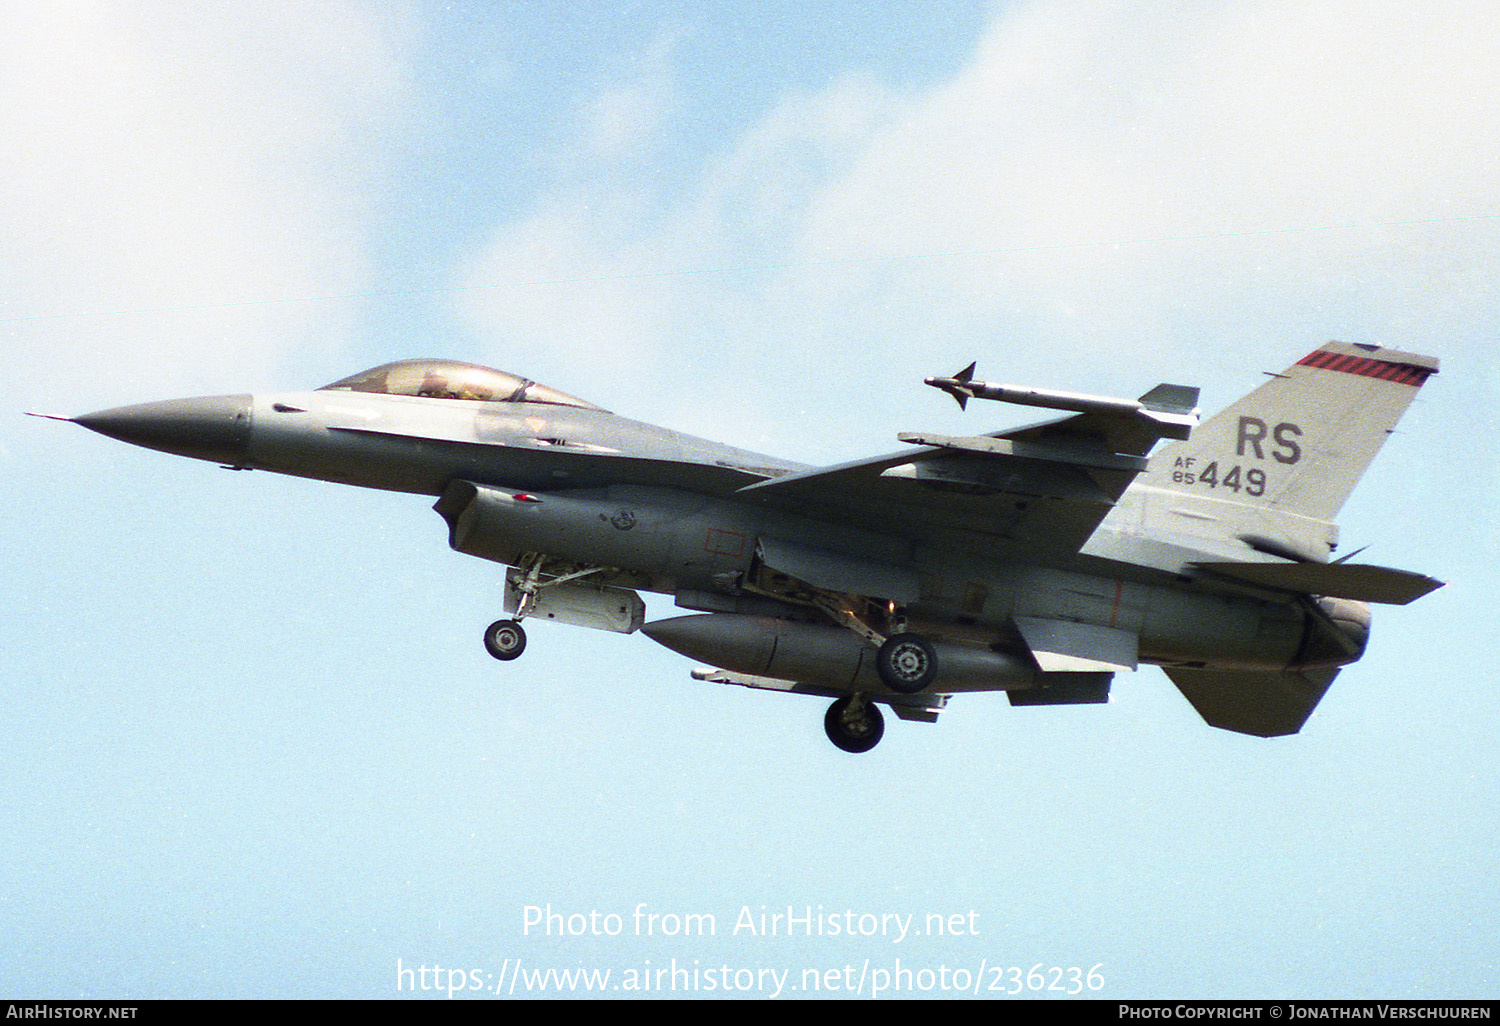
column 854, row 734
column 504, row 639
column 906, row 663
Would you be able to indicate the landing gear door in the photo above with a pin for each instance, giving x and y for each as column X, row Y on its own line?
column 580, row 604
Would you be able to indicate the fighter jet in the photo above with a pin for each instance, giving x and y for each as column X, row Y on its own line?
column 1038, row 561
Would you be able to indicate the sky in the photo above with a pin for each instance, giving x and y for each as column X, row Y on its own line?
column 252, row 745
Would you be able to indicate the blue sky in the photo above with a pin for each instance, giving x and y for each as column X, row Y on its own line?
column 252, row 744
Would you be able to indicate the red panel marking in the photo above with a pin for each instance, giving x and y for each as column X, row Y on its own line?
column 1385, row 370
column 719, row 542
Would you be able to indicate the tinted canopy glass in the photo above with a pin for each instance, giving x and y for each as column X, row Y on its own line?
column 451, row 379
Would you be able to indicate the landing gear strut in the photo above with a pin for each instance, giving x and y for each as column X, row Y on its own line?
column 853, row 724
column 906, row 661
column 504, row 639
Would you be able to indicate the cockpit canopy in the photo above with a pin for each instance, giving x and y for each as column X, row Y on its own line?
column 451, row 379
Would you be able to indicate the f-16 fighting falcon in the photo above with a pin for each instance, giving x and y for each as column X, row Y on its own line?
column 1038, row 561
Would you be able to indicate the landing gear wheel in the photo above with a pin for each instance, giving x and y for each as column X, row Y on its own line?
column 504, row 639
column 854, row 728
column 907, row 663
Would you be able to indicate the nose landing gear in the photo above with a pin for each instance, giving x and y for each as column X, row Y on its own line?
column 505, row 639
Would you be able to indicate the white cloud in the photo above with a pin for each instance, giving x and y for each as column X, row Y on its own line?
column 607, row 253
column 1081, row 117
column 1091, row 122
column 158, row 158
column 1074, row 124
column 623, row 121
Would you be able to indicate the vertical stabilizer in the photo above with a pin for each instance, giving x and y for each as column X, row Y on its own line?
column 1300, row 442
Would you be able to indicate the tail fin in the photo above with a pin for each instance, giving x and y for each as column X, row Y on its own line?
column 1300, row 442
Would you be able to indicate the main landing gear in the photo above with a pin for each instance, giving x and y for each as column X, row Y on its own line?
column 906, row 663
column 854, row 724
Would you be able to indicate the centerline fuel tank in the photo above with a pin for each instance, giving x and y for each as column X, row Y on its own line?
column 812, row 653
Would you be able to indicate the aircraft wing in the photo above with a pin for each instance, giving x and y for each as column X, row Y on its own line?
column 1039, row 489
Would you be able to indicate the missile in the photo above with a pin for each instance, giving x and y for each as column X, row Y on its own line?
column 963, row 387
column 1171, row 408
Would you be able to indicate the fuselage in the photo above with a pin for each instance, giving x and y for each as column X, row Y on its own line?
column 1039, row 561
column 689, row 533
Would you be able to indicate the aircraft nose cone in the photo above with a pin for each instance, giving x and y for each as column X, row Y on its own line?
column 211, row 428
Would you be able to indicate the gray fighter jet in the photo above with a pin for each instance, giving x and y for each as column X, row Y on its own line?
column 1038, row 561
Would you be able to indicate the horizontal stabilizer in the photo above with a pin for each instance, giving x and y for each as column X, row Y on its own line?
column 1265, row 703
column 1340, row 580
